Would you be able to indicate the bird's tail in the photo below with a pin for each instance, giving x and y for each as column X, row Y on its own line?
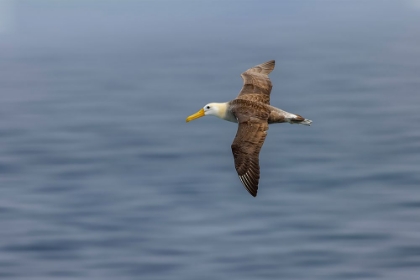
column 297, row 119
column 306, row 122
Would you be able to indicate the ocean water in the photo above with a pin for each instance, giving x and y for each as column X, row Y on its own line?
column 101, row 178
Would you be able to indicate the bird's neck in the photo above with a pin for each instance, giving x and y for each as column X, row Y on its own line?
column 224, row 113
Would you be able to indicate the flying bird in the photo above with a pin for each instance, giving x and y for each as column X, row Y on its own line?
column 252, row 111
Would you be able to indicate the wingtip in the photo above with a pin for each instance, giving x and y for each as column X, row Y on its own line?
column 271, row 62
column 251, row 190
column 268, row 66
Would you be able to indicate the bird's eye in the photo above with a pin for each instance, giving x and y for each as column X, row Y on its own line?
column 208, row 107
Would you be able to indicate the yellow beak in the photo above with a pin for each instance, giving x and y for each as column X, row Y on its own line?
column 197, row 115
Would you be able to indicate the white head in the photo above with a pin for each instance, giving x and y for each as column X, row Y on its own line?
column 211, row 109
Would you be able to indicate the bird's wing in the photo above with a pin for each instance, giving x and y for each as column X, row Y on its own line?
column 257, row 85
column 246, row 148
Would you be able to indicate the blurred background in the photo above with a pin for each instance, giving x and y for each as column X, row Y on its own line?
column 101, row 178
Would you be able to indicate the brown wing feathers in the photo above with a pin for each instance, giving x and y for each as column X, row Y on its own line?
column 246, row 146
column 253, row 123
column 257, row 85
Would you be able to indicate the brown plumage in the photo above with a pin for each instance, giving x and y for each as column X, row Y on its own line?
column 257, row 85
column 252, row 111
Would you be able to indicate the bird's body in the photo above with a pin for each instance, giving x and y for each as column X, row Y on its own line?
column 253, row 112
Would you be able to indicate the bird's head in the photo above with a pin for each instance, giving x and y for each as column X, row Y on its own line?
column 211, row 109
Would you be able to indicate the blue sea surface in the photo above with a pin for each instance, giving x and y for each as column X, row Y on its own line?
column 102, row 178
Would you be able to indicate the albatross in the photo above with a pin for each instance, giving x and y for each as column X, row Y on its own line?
column 252, row 111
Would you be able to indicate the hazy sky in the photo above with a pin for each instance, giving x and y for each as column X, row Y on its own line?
column 80, row 23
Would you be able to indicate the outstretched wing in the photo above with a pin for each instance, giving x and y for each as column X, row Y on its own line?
column 246, row 149
column 257, row 85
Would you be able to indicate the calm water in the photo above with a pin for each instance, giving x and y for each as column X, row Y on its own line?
column 101, row 178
